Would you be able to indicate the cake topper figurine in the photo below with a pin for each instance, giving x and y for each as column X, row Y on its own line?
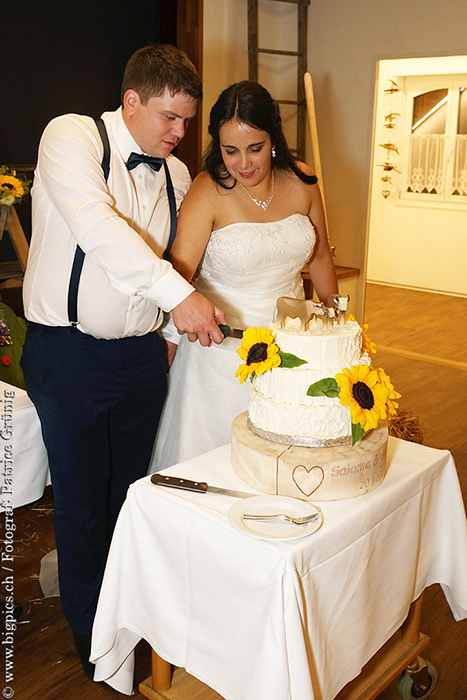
column 307, row 309
column 340, row 304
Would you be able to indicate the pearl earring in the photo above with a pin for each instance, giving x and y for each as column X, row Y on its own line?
column 273, row 153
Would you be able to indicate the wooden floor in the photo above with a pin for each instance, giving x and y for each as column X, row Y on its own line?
column 400, row 323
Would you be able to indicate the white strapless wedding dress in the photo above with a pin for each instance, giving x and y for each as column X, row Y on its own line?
column 245, row 268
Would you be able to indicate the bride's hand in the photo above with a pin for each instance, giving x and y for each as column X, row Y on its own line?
column 171, row 350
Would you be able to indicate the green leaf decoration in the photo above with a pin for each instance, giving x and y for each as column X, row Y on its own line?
column 288, row 360
column 357, row 432
column 325, row 387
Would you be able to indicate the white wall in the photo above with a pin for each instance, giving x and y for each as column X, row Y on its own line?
column 346, row 38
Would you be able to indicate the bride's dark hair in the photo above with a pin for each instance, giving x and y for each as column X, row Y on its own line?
column 249, row 103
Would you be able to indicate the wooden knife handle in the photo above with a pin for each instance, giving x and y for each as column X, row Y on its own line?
column 177, row 483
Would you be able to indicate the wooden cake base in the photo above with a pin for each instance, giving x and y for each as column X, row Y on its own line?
column 309, row 473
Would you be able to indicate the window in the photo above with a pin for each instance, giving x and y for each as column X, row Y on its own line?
column 436, row 138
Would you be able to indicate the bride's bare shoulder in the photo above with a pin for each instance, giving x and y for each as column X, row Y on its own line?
column 203, row 185
column 203, row 182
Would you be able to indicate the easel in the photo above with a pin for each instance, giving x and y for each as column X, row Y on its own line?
column 11, row 273
column 12, row 224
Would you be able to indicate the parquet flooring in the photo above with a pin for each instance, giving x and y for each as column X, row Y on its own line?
column 45, row 663
column 430, row 324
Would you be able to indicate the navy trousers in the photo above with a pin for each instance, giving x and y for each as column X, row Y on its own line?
column 99, row 404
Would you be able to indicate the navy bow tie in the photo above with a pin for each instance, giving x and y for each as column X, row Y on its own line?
column 136, row 158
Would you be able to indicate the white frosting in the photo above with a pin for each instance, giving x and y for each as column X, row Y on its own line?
column 320, row 419
column 279, row 403
column 326, row 344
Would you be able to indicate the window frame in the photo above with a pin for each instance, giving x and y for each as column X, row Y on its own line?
column 415, row 86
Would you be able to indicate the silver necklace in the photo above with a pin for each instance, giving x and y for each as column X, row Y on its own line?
column 260, row 202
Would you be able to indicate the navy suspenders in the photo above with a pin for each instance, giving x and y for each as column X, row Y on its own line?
column 172, row 208
column 79, row 253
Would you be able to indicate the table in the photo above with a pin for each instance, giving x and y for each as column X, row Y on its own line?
column 277, row 620
column 21, row 449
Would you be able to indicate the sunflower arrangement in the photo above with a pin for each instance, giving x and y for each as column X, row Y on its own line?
column 369, row 394
column 367, row 391
column 260, row 354
column 14, row 187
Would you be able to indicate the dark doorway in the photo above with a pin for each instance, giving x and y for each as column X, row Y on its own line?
column 69, row 57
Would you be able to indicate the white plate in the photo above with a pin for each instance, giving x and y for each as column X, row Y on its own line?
column 274, row 529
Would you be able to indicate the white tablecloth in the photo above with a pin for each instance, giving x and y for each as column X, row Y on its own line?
column 21, row 430
column 277, row 620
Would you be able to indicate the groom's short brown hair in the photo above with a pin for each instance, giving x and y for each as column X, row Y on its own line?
column 154, row 69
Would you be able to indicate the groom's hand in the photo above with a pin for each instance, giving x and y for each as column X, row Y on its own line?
column 199, row 319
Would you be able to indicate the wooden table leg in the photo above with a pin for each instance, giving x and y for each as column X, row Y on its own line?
column 400, row 653
column 411, row 627
column 161, row 672
column 160, row 679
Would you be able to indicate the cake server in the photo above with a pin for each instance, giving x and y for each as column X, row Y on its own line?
column 231, row 332
column 176, row 482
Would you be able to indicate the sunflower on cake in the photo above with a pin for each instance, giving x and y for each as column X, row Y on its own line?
column 315, row 427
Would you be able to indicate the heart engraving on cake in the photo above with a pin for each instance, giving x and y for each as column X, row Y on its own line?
column 307, row 480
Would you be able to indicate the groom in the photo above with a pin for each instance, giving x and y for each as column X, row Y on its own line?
column 104, row 201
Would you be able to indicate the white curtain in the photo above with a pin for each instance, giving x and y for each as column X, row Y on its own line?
column 426, row 164
column 459, row 176
column 427, row 174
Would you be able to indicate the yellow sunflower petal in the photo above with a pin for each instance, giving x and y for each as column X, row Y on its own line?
column 263, row 337
column 367, row 345
column 367, row 417
column 242, row 372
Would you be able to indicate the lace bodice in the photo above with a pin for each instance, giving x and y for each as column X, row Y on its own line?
column 247, row 266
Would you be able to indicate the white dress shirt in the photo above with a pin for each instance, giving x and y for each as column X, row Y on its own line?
column 122, row 226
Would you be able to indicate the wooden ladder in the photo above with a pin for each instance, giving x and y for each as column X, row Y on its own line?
column 254, row 50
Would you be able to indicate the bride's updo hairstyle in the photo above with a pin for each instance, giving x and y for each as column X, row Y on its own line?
column 249, row 103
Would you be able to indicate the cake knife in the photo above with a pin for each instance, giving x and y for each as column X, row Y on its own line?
column 199, row 486
column 227, row 331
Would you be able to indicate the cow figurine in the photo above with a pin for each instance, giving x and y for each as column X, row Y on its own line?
column 305, row 309
column 339, row 305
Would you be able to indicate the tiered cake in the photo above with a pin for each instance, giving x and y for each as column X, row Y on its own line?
column 296, row 438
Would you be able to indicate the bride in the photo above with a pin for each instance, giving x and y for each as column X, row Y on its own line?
column 250, row 222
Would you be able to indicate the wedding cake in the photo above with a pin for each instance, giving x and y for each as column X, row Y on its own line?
column 315, row 425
